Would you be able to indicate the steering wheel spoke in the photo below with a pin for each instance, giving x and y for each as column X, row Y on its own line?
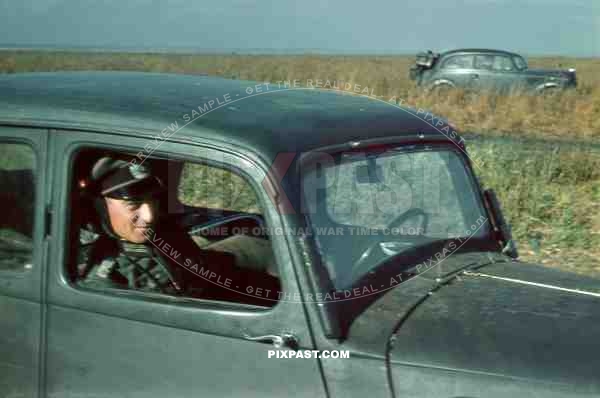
column 377, row 252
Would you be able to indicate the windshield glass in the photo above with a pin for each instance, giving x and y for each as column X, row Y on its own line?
column 520, row 62
column 367, row 207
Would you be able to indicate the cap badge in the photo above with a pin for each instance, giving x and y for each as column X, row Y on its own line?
column 138, row 171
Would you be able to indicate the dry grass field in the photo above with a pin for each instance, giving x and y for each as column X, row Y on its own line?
column 536, row 150
column 569, row 115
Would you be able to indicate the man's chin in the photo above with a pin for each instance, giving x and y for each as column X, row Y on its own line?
column 140, row 236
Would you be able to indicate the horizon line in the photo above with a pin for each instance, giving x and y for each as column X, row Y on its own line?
column 243, row 51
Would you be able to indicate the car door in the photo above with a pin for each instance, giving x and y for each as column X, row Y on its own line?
column 506, row 76
column 484, row 76
column 456, row 70
column 109, row 344
column 22, row 256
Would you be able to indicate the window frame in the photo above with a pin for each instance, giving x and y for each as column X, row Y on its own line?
column 490, row 69
column 469, row 178
column 35, row 170
column 441, row 149
column 444, row 64
column 27, row 284
column 510, row 61
column 224, row 318
column 521, row 59
column 158, row 296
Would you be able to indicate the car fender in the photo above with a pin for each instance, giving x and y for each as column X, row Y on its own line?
column 441, row 82
column 546, row 85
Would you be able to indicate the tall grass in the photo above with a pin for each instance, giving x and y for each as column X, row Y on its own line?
column 551, row 196
column 16, row 157
column 567, row 115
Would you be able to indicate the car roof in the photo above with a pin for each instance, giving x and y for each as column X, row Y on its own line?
column 479, row 50
column 268, row 123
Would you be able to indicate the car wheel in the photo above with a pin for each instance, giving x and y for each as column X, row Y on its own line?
column 549, row 92
column 441, row 90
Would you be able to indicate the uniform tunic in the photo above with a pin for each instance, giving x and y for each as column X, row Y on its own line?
column 127, row 266
column 105, row 262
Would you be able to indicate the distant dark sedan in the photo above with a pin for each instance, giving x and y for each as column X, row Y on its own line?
column 486, row 69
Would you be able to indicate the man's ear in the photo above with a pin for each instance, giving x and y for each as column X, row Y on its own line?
column 103, row 217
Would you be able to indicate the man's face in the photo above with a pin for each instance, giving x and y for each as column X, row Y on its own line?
column 131, row 220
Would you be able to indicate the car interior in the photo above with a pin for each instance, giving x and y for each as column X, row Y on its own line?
column 188, row 204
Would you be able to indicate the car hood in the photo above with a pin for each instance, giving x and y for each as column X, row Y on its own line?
column 499, row 317
column 513, row 320
column 550, row 72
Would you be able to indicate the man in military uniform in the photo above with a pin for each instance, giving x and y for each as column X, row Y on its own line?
column 124, row 255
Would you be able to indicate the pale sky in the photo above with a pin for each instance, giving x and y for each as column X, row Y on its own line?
column 532, row 27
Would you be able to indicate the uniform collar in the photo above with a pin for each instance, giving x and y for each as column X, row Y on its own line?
column 135, row 249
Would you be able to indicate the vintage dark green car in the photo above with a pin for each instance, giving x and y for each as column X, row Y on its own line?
column 386, row 248
column 478, row 69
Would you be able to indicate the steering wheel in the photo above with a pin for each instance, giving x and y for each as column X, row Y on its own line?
column 414, row 212
column 362, row 265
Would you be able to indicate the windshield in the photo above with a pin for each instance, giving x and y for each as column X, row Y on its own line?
column 367, row 207
column 520, row 62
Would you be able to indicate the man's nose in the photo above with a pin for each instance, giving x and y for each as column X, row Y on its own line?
column 146, row 212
